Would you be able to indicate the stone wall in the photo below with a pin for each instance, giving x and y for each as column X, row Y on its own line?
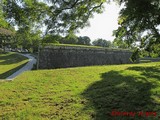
column 62, row 57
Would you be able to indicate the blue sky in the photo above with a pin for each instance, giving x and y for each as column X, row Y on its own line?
column 102, row 25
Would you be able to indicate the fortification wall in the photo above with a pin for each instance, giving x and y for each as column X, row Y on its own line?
column 62, row 57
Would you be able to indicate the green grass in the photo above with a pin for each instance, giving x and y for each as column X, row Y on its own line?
column 10, row 63
column 71, row 45
column 83, row 93
column 82, row 46
column 145, row 61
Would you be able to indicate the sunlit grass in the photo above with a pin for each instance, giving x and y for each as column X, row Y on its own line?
column 82, row 93
column 10, row 63
column 82, row 46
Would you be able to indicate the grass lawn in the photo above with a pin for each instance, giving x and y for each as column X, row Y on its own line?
column 10, row 63
column 84, row 93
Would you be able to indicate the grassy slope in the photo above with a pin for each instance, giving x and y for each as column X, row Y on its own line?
column 82, row 93
column 9, row 63
column 71, row 45
column 83, row 46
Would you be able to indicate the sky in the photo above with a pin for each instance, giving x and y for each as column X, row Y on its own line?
column 102, row 25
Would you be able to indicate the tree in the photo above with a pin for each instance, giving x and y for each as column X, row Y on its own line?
column 27, row 15
column 153, row 49
column 6, row 36
column 3, row 22
column 24, row 13
column 71, row 38
column 102, row 43
column 60, row 16
column 85, row 40
column 138, row 18
column 69, row 15
column 119, row 43
column 52, row 39
column 27, row 39
column 7, row 32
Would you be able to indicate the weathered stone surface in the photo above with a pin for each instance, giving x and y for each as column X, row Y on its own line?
column 62, row 57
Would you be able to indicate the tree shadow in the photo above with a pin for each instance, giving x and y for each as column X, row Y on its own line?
column 11, row 59
column 11, row 71
column 149, row 72
column 118, row 91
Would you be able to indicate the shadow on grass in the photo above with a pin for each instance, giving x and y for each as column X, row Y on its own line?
column 10, row 72
column 7, row 58
column 123, row 93
column 149, row 72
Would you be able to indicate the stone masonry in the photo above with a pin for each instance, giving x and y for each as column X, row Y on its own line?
column 52, row 57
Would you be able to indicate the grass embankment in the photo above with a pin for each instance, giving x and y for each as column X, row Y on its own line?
column 83, row 46
column 10, row 63
column 83, row 93
column 70, row 45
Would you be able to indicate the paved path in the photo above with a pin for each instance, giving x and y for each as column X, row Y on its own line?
column 27, row 67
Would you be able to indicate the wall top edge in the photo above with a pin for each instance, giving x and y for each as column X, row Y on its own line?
column 83, row 48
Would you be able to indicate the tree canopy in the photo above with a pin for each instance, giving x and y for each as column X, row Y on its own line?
column 5, row 27
column 84, row 40
column 60, row 16
column 102, row 43
column 68, row 15
column 139, row 21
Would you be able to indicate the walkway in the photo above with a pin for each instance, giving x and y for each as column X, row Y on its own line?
column 27, row 67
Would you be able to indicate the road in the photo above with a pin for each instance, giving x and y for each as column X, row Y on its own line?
column 27, row 67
